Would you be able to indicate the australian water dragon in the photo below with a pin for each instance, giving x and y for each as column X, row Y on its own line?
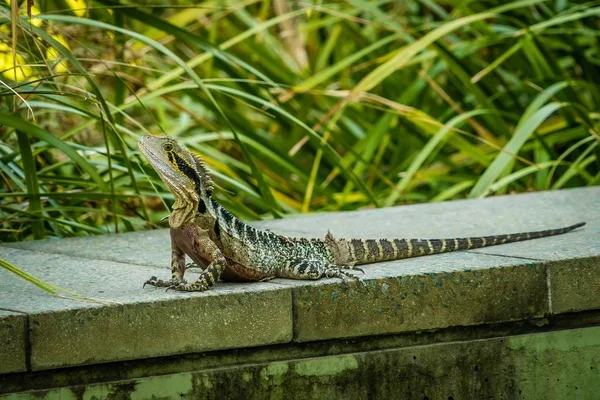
column 225, row 247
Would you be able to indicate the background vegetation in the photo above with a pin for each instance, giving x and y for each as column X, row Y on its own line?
column 297, row 106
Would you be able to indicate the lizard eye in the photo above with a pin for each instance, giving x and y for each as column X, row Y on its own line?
column 167, row 147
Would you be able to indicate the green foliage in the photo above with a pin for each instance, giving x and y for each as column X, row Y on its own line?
column 296, row 106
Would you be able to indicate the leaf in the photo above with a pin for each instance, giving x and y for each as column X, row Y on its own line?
column 405, row 54
column 523, row 131
column 50, row 287
column 41, row 134
column 327, row 73
column 425, row 152
column 264, row 189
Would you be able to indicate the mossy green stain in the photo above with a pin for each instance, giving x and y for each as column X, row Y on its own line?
column 328, row 366
column 437, row 282
column 559, row 364
column 385, row 287
column 334, row 295
column 276, row 369
column 205, row 381
column 560, row 341
column 162, row 386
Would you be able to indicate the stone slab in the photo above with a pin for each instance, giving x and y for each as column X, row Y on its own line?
column 502, row 283
column 475, row 217
column 149, row 248
column 552, row 209
column 131, row 322
column 466, row 296
column 13, row 342
column 550, row 365
column 574, row 285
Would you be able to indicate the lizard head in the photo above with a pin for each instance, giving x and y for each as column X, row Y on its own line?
column 184, row 173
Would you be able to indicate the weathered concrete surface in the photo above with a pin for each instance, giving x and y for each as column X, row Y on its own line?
column 445, row 292
column 504, row 283
column 574, row 285
column 553, row 365
column 494, row 284
column 139, row 248
column 502, row 214
column 13, row 342
column 134, row 322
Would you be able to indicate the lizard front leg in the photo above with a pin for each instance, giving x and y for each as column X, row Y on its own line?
column 207, row 250
column 178, row 268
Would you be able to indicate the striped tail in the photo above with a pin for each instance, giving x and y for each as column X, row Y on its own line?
column 364, row 251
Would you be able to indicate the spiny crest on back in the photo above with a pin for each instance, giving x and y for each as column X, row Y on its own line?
column 204, row 172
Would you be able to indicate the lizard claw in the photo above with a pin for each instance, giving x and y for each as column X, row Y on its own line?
column 151, row 281
column 338, row 272
column 353, row 267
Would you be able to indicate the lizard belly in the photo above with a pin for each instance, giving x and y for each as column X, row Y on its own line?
column 236, row 253
column 239, row 260
column 236, row 272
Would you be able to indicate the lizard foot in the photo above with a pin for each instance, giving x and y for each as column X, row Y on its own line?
column 204, row 282
column 153, row 281
column 188, row 287
column 338, row 272
column 352, row 267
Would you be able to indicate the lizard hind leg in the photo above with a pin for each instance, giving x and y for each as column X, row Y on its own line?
column 299, row 268
column 334, row 271
column 352, row 266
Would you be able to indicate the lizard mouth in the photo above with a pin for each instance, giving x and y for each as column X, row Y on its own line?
column 149, row 153
column 142, row 145
column 155, row 157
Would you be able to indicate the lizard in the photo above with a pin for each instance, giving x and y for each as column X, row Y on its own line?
column 227, row 248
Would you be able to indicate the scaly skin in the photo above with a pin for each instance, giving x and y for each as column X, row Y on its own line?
column 225, row 247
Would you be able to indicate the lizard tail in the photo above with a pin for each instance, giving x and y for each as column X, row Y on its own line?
column 364, row 251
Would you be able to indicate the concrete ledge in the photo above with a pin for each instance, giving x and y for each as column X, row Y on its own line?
column 13, row 342
column 493, row 292
column 139, row 323
column 516, row 282
column 574, row 284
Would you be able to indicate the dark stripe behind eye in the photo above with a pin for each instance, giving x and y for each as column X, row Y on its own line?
column 201, row 206
column 188, row 171
column 217, row 229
